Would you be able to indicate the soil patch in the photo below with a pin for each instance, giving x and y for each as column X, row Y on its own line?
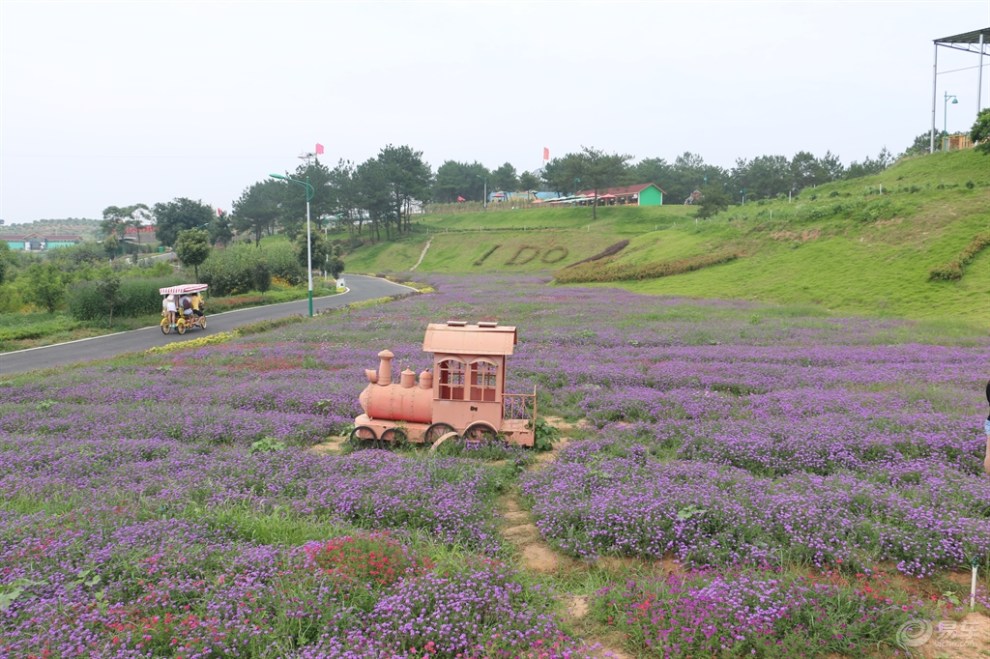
column 332, row 445
column 968, row 638
column 538, row 557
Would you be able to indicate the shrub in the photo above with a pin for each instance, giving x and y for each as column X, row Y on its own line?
column 242, row 268
column 545, row 435
column 231, row 271
column 953, row 270
column 138, row 297
column 762, row 614
column 946, row 272
column 611, row 250
column 266, row 444
column 591, row 272
column 282, row 262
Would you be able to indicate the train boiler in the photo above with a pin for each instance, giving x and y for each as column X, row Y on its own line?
column 464, row 395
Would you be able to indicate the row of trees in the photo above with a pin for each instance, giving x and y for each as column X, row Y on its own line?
column 381, row 192
column 375, row 199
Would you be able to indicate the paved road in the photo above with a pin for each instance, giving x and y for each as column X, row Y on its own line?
column 101, row 347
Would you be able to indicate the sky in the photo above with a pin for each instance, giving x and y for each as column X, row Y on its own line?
column 113, row 103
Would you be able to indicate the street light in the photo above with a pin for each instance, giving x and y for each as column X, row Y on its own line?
column 945, row 118
column 309, row 250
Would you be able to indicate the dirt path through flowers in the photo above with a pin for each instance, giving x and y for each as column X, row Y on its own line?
column 537, row 556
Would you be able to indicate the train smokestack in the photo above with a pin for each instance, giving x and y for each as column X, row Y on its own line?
column 385, row 368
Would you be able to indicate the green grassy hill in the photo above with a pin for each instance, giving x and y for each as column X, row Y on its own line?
column 864, row 246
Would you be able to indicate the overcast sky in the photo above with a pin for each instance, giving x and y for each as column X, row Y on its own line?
column 115, row 103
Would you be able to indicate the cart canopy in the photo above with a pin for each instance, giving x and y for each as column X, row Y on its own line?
column 183, row 289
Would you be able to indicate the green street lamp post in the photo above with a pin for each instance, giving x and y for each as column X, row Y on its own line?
column 945, row 119
column 309, row 249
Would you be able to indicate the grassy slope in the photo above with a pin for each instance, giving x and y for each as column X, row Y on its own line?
column 843, row 246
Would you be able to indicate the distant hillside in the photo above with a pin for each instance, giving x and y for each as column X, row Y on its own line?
column 865, row 246
column 86, row 229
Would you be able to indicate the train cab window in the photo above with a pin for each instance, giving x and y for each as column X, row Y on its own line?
column 452, row 376
column 484, row 381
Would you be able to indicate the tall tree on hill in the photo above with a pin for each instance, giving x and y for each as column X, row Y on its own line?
column 373, row 195
column 180, row 214
column 529, row 181
column 763, row 177
column 258, row 208
column 690, row 173
column 805, row 171
column 563, row 175
column 344, row 196
column 292, row 216
column 869, row 165
column 714, row 200
column 505, row 178
column 116, row 221
column 599, row 170
column 651, row 170
column 831, row 166
column 922, row 144
column 221, row 229
column 460, row 179
column 407, row 179
column 980, row 132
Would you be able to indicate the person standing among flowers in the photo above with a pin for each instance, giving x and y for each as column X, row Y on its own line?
column 986, row 429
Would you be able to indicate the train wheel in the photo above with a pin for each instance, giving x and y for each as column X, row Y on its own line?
column 395, row 436
column 447, row 444
column 483, row 434
column 363, row 437
column 436, row 431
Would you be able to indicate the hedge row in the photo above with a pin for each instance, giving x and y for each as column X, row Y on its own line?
column 138, row 297
column 242, row 268
column 953, row 270
column 611, row 250
column 592, row 272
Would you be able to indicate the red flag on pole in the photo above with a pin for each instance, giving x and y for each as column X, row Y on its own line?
column 546, row 153
column 319, row 149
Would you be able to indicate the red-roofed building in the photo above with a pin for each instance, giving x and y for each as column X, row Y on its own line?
column 641, row 194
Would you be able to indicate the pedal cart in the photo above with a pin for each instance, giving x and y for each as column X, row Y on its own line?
column 177, row 316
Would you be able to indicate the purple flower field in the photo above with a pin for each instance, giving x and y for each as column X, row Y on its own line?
column 136, row 521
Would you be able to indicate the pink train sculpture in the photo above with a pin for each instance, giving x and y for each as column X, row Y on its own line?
column 463, row 396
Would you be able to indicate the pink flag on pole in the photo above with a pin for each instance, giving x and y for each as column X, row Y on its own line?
column 546, row 153
column 319, row 149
